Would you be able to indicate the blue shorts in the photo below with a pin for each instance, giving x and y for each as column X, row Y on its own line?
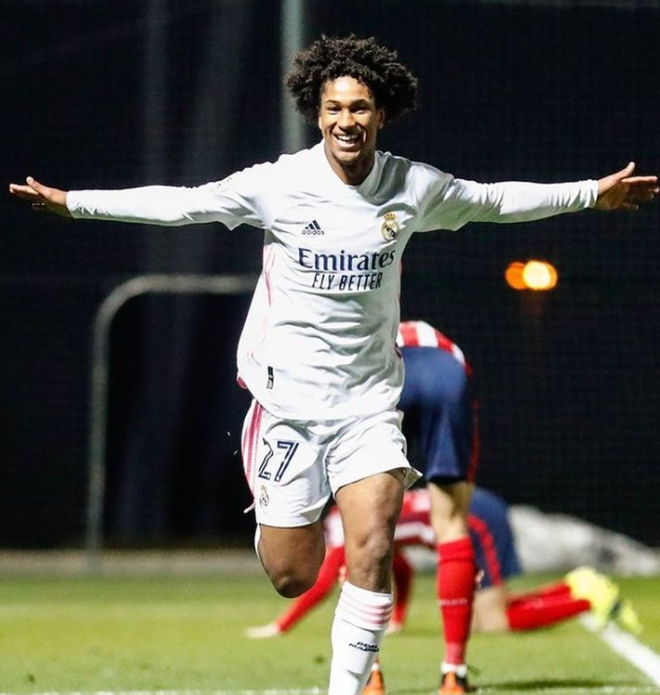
column 439, row 415
column 492, row 538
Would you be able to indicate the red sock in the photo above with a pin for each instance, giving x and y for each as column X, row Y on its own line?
column 328, row 575
column 403, row 578
column 541, row 611
column 455, row 588
column 558, row 589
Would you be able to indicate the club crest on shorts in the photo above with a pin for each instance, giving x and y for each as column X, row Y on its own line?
column 390, row 227
column 263, row 497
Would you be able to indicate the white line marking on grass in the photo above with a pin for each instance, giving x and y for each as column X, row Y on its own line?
column 624, row 644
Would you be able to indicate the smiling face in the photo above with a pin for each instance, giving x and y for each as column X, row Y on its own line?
column 349, row 121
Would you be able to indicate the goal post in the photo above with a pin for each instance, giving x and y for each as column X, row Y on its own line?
column 157, row 284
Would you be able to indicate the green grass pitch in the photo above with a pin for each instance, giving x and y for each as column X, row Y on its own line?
column 119, row 634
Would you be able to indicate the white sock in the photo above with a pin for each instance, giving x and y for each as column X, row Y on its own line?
column 458, row 669
column 361, row 619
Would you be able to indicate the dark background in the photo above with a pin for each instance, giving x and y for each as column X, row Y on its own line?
column 119, row 94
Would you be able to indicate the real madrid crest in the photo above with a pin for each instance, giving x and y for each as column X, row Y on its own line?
column 263, row 497
column 390, row 227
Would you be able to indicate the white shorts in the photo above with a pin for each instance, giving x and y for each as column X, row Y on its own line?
column 293, row 466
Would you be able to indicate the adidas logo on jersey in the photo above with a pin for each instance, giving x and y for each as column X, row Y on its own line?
column 313, row 228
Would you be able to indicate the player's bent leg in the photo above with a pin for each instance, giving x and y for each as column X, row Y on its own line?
column 291, row 557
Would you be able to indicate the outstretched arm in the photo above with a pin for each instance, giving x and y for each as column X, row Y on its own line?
column 158, row 205
column 170, row 206
column 454, row 202
column 42, row 197
column 622, row 191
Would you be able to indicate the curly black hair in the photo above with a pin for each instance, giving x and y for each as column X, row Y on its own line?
column 394, row 87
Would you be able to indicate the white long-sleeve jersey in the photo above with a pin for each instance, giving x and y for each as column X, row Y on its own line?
column 319, row 339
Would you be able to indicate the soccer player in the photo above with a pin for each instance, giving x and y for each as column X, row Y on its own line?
column 440, row 417
column 496, row 608
column 317, row 350
column 412, row 529
column 472, row 535
column 489, row 527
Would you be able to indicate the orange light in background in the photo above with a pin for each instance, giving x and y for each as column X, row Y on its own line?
column 539, row 275
column 533, row 275
column 513, row 275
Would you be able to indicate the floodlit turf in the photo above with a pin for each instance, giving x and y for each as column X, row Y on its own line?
column 61, row 635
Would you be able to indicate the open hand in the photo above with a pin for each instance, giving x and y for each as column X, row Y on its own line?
column 622, row 191
column 43, row 198
column 263, row 631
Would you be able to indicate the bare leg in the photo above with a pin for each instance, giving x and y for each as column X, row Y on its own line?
column 449, row 510
column 490, row 610
column 369, row 509
column 292, row 557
